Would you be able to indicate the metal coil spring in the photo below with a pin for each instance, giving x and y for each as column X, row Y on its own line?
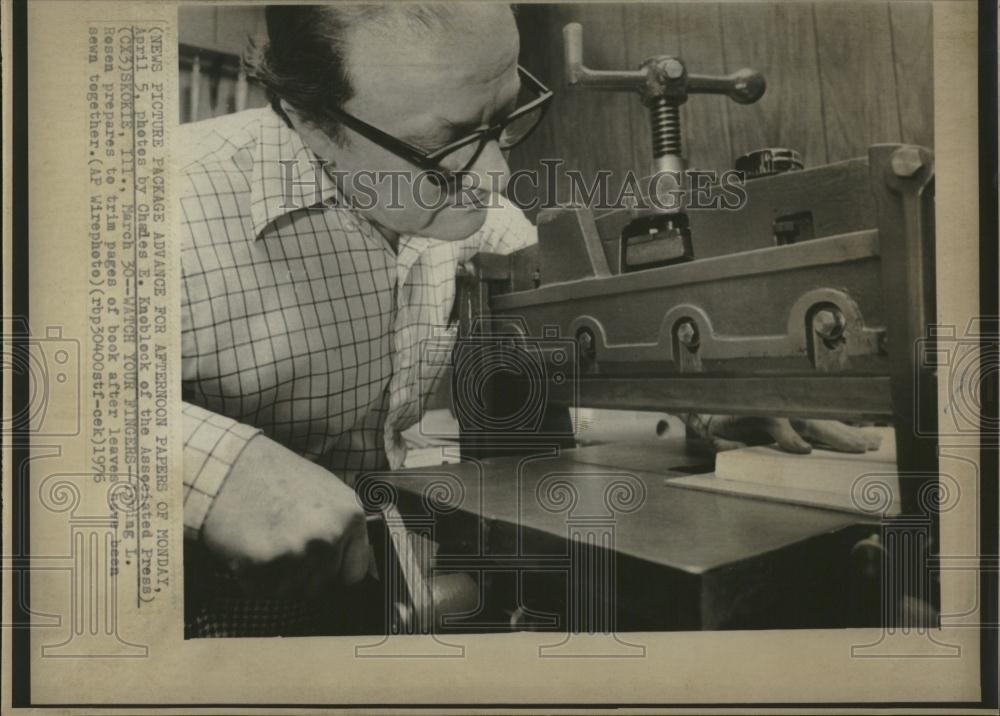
column 665, row 120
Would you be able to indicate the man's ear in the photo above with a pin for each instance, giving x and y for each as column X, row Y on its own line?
column 312, row 136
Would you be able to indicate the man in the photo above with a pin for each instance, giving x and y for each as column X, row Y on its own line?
column 303, row 312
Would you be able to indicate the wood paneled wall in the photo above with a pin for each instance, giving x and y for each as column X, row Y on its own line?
column 840, row 76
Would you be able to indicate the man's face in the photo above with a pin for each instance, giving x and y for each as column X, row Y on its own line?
column 429, row 87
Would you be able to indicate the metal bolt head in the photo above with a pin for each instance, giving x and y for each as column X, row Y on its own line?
column 687, row 334
column 829, row 324
column 673, row 68
column 906, row 161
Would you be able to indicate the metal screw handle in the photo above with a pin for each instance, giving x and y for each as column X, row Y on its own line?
column 744, row 86
column 578, row 73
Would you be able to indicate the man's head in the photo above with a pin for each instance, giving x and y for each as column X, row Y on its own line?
column 426, row 74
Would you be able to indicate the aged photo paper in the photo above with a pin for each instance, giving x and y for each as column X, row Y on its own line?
column 682, row 409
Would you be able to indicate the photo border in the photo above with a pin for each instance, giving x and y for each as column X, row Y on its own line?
column 20, row 450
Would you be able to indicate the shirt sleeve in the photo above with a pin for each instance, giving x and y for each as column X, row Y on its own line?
column 212, row 444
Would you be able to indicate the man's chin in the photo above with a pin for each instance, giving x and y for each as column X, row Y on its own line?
column 455, row 224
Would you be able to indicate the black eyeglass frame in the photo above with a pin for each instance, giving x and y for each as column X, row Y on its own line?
column 430, row 161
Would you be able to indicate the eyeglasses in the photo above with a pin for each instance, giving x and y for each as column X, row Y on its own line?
column 446, row 164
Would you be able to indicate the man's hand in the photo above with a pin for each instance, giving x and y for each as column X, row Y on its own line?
column 727, row 432
column 285, row 526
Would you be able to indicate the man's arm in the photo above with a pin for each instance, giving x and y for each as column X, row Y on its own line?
column 283, row 524
column 212, row 444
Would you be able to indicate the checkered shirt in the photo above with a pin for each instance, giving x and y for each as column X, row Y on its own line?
column 298, row 319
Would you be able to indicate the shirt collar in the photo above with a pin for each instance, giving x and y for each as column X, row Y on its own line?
column 279, row 146
column 285, row 175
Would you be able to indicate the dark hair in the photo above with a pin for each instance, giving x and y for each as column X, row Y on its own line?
column 303, row 61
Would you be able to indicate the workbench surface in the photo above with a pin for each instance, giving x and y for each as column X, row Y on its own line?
column 684, row 529
column 681, row 558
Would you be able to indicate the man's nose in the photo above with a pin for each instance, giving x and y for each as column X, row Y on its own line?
column 492, row 168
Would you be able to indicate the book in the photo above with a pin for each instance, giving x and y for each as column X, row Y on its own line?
column 856, row 482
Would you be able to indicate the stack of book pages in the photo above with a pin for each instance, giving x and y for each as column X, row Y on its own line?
column 856, row 482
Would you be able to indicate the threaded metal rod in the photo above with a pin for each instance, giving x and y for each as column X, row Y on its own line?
column 665, row 120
